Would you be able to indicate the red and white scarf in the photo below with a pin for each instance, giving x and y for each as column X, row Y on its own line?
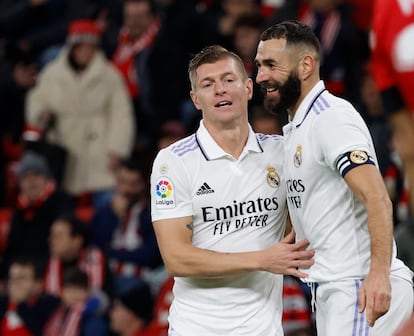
column 124, row 56
column 30, row 207
column 91, row 261
column 12, row 324
column 65, row 321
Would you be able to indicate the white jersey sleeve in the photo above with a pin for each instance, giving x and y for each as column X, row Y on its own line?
column 170, row 187
column 339, row 133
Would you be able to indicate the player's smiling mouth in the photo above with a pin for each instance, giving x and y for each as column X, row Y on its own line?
column 224, row 103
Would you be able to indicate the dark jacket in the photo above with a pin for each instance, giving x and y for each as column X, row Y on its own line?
column 34, row 315
column 104, row 224
column 29, row 236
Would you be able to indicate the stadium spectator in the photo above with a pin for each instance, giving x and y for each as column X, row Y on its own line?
column 247, row 29
column 69, row 246
column 122, row 228
column 88, row 103
column 132, row 313
column 17, row 76
column 219, row 20
column 80, row 312
column 141, row 26
column 38, row 27
column 343, row 51
column 39, row 203
column 393, row 71
column 392, row 67
column 26, row 308
column 170, row 131
column 151, row 30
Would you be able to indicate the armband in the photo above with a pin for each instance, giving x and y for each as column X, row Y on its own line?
column 353, row 159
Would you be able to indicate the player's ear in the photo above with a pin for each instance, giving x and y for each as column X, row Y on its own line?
column 249, row 88
column 307, row 66
column 195, row 100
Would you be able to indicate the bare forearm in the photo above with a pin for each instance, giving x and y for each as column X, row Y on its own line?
column 190, row 261
column 183, row 259
column 380, row 227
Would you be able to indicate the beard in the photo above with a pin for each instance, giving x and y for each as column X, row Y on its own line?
column 289, row 93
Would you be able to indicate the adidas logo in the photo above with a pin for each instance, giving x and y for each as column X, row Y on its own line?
column 204, row 189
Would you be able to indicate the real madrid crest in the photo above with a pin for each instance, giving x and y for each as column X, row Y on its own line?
column 297, row 158
column 272, row 177
column 358, row 157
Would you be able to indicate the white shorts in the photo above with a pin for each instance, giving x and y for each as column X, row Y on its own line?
column 337, row 309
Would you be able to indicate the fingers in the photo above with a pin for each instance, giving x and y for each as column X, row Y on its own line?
column 376, row 307
column 370, row 317
column 286, row 256
column 381, row 305
column 361, row 299
column 299, row 254
column 289, row 238
column 302, row 259
column 298, row 273
column 302, row 244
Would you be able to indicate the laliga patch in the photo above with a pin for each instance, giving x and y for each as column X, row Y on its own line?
column 272, row 177
column 358, row 157
column 164, row 191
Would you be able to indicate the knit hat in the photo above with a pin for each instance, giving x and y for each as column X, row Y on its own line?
column 139, row 301
column 32, row 162
column 83, row 31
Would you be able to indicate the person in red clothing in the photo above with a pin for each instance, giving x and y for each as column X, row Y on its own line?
column 138, row 33
column 26, row 308
column 79, row 312
column 393, row 71
column 296, row 313
column 69, row 247
column 135, row 39
column 392, row 65
column 40, row 201
column 132, row 313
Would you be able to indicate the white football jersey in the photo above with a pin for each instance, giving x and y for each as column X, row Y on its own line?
column 326, row 138
column 237, row 205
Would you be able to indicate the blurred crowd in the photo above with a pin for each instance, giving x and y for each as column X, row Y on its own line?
column 90, row 90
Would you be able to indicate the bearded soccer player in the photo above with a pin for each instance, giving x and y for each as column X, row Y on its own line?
column 336, row 196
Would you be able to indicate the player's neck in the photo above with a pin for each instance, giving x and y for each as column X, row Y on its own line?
column 305, row 89
column 231, row 139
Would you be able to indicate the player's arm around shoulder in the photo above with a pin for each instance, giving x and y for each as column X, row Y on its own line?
column 172, row 215
column 183, row 259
